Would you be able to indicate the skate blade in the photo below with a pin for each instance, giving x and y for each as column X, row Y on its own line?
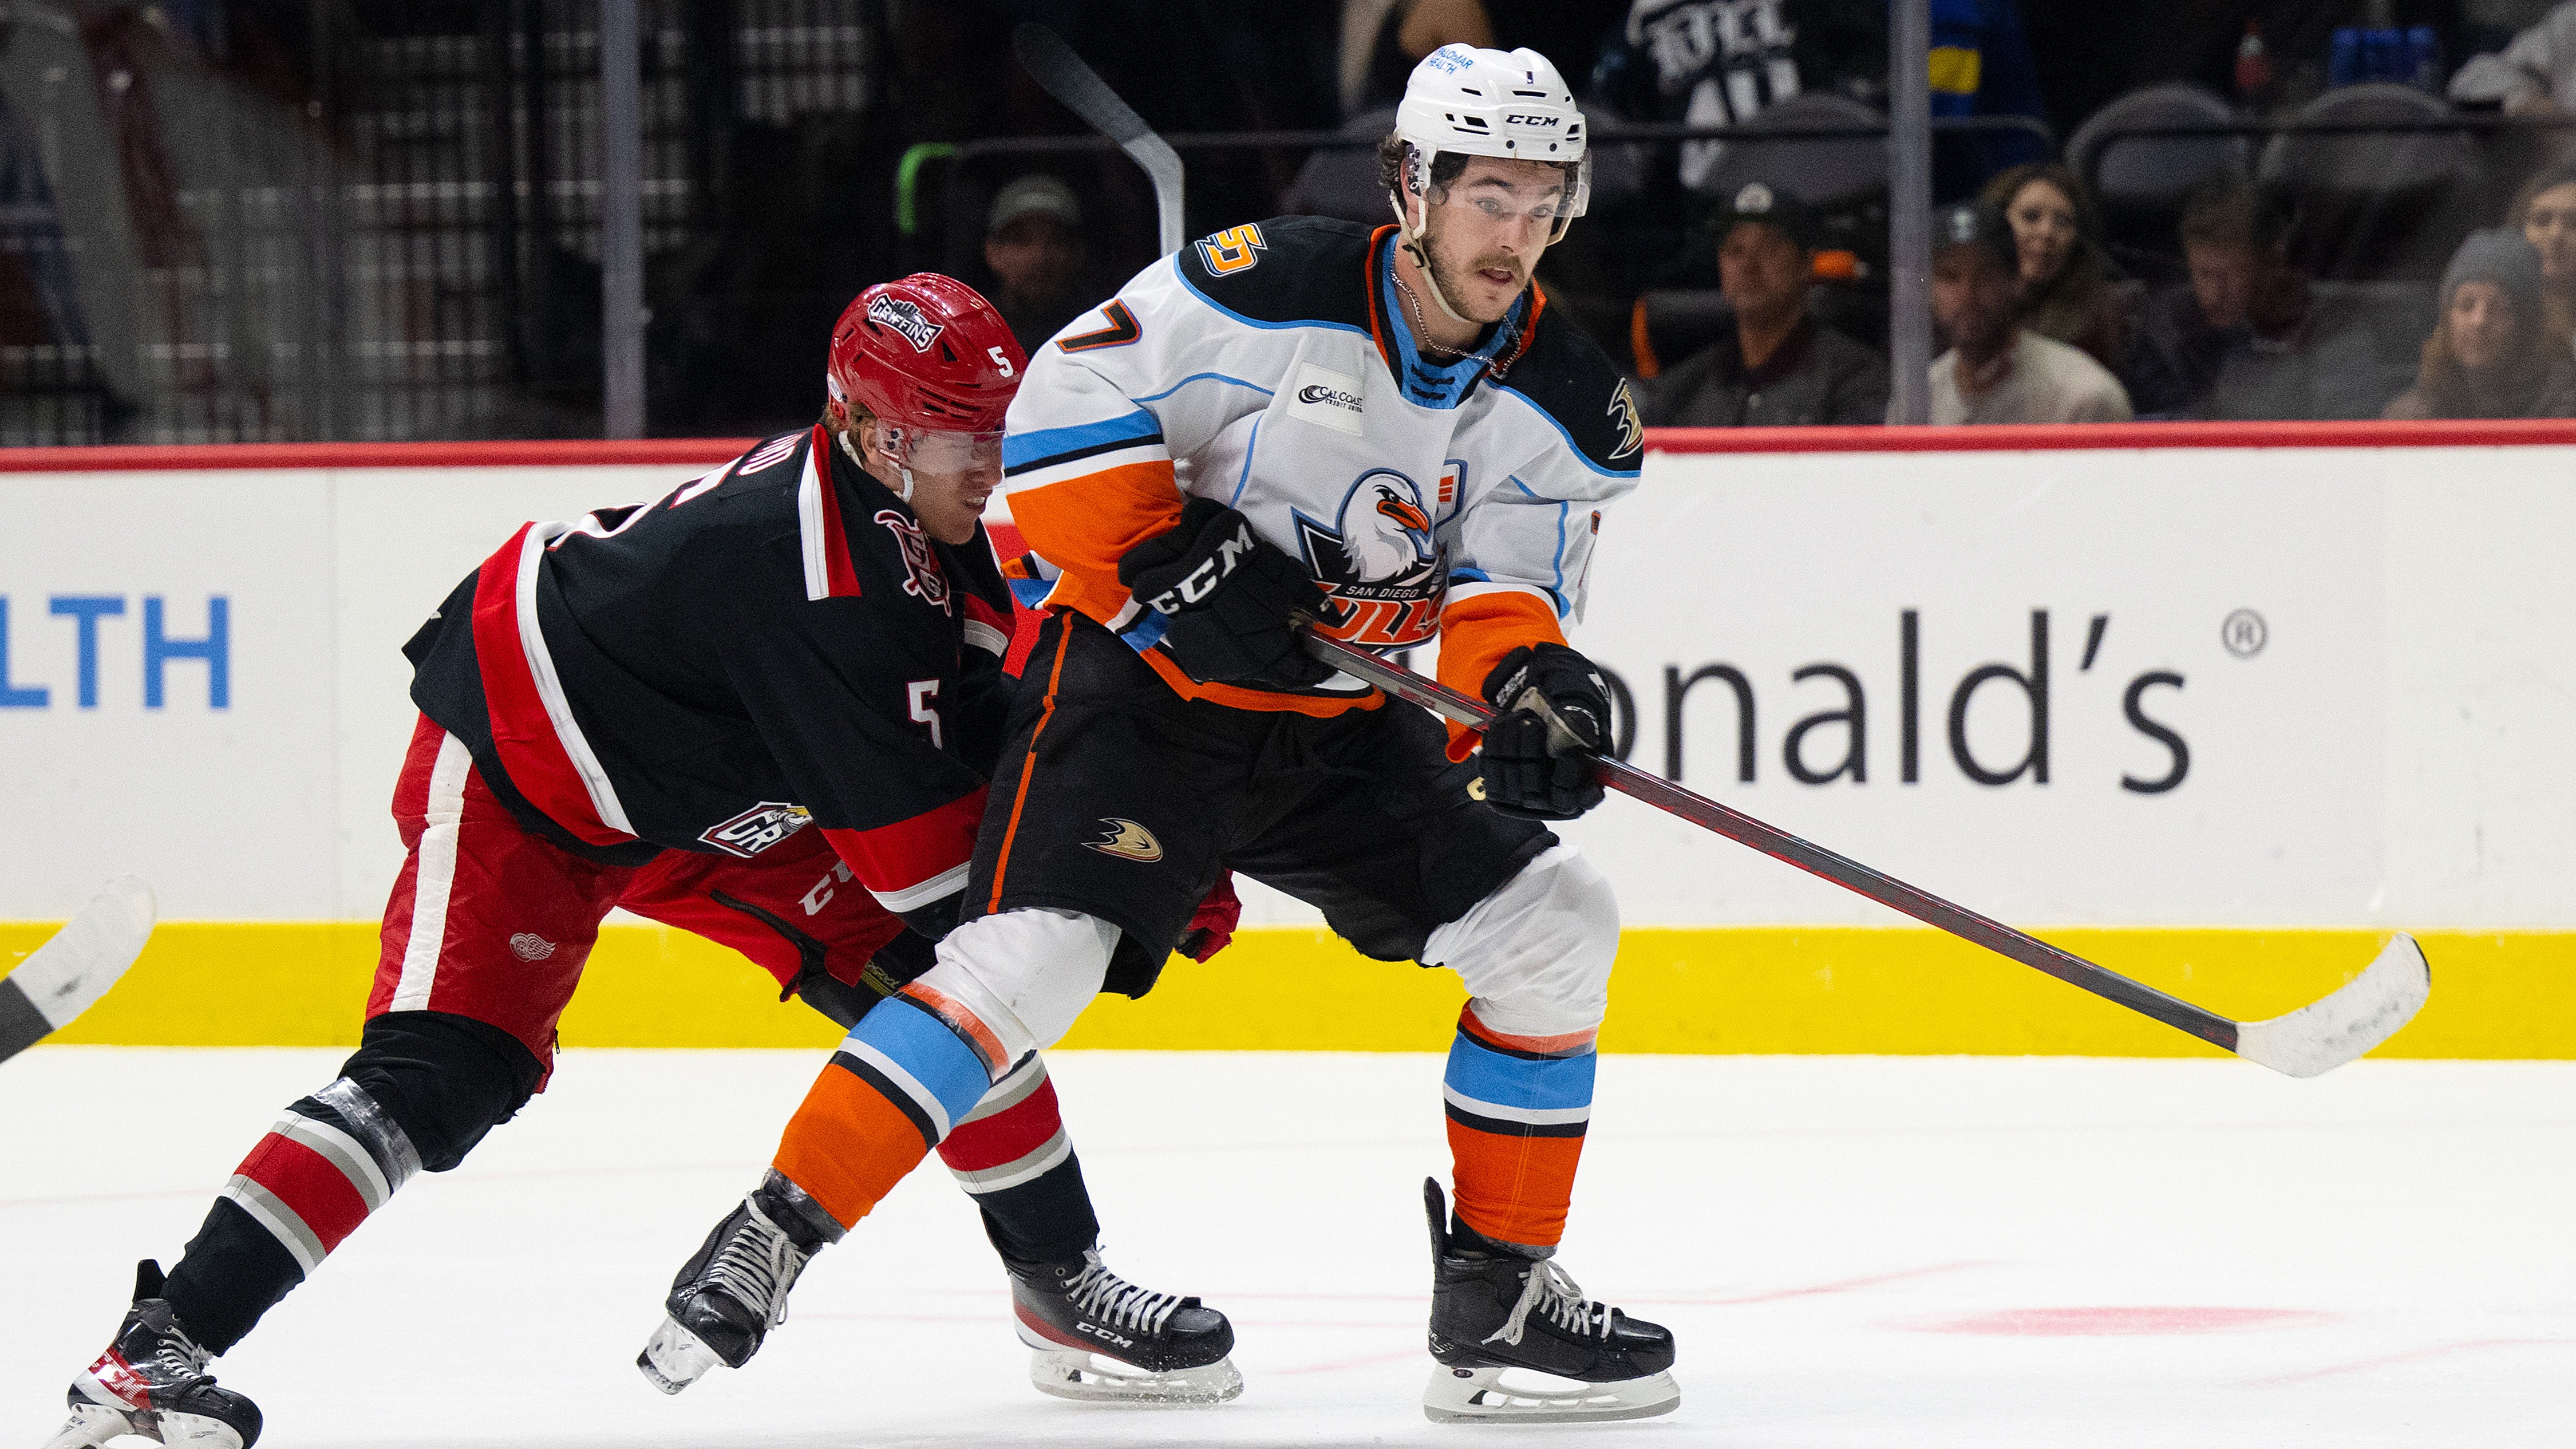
column 92, row 1425
column 1480, row 1396
column 197, row 1431
column 1072, row 1373
column 675, row 1358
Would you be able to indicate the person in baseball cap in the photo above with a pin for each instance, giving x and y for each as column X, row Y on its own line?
column 1761, row 203
column 1779, row 366
column 1033, row 242
column 1996, row 370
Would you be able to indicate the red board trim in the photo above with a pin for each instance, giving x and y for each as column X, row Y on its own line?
column 2518, row 432
column 575, row 452
column 2531, row 432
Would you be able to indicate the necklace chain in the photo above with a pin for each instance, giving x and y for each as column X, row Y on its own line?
column 1421, row 330
column 1422, row 334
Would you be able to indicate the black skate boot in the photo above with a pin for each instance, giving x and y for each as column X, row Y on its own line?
column 152, row 1381
column 734, row 1291
column 1494, row 1309
column 1102, row 1338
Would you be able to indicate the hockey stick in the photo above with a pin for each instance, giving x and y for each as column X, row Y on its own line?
column 2318, row 1037
column 65, row 975
column 1052, row 64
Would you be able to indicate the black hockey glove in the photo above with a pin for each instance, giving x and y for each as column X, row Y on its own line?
column 1228, row 599
column 1525, row 774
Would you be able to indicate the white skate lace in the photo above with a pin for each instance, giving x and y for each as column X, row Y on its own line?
column 758, row 1265
column 1098, row 1293
column 1557, row 1298
column 179, row 1357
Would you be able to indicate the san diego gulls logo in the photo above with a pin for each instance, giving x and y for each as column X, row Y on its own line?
column 905, row 318
column 922, row 577
column 1127, row 840
column 1379, row 561
column 1632, row 431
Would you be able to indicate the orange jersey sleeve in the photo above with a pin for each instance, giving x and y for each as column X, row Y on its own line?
column 1476, row 632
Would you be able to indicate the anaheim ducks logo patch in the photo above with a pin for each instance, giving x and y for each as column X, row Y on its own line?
column 1632, row 429
column 1127, row 840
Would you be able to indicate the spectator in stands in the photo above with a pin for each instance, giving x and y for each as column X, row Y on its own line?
column 1033, row 243
column 1996, row 370
column 2544, row 211
column 2242, row 341
column 2488, row 356
column 1720, row 62
column 1382, row 40
column 2068, row 289
column 1777, row 366
column 2535, row 74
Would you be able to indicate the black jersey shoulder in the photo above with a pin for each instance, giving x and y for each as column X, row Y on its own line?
column 1567, row 376
column 760, row 484
column 1284, row 272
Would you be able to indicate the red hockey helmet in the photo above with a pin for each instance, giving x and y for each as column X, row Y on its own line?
column 925, row 353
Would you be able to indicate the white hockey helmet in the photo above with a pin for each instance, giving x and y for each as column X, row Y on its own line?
column 1489, row 103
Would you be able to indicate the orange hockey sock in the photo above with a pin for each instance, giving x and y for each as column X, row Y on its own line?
column 1518, row 1107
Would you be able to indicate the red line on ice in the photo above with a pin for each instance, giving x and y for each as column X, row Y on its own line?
column 1845, row 1285
column 2410, row 1356
column 2098, row 1322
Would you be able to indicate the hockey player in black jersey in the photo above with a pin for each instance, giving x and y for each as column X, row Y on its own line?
column 1383, row 435
column 761, row 707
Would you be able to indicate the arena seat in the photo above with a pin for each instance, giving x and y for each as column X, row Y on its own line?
column 1826, row 171
column 2375, row 204
column 2139, row 182
column 1344, row 182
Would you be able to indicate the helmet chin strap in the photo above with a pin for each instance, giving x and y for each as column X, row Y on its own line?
column 890, row 445
column 1416, row 235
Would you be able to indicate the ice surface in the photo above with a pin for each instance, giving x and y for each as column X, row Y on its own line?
column 1875, row 1253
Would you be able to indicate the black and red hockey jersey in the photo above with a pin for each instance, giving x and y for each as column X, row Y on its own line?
column 775, row 644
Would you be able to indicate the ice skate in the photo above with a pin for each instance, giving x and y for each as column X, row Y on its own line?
column 1494, row 1310
column 734, row 1290
column 152, row 1381
column 1100, row 1338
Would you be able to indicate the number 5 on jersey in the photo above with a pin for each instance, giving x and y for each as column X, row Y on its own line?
column 1233, row 249
column 923, row 694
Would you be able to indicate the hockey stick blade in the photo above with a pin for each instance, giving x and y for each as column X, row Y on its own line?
column 1052, row 64
column 2359, row 1015
column 2316, row 1038
column 62, row 977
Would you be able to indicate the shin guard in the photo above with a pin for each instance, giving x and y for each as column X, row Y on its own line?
column 1012, row 1156
column 912, row 1068
column 332, row 1159
column 1517, row 1107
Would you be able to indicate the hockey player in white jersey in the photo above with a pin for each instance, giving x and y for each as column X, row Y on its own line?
column 1386, row 434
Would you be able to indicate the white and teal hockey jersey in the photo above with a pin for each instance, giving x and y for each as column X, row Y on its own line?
column 1271, row 367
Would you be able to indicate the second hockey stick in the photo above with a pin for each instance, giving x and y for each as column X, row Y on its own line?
column 1052, row 64
column 65, row 975
column 2316, row 1038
